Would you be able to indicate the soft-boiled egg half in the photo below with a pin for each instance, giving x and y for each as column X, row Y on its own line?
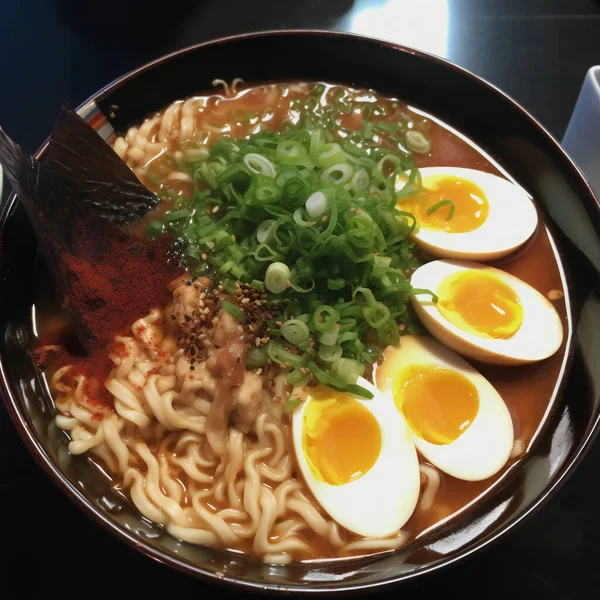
column 470, row 214
column 458, row 420
column 358, row 459
column 485, row 313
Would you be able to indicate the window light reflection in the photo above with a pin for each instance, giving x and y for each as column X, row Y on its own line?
column 422, row 24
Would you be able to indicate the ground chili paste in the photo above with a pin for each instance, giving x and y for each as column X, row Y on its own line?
column 115, row 278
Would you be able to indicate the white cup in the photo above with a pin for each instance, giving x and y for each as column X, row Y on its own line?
column 582, row 138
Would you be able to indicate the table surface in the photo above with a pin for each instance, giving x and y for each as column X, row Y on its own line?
column 53, row 50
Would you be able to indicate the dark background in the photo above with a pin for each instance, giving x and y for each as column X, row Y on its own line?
column 538, row 51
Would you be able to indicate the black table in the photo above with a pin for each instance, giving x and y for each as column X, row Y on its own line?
column 53, row 50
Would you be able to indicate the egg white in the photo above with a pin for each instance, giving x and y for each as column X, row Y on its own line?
column 485, row 446
column 378, row 503
column 511, row 221
column 540, row 334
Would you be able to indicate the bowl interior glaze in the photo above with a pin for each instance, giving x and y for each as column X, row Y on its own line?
column 475, row 108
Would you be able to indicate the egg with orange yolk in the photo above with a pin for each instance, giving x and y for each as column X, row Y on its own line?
column 486, row 313
column 458, row 420
column 469, row 214
column 358, row 459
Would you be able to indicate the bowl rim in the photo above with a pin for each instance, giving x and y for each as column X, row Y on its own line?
column 40, row 454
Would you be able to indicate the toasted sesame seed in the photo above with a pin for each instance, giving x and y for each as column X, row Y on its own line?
column 215, row 209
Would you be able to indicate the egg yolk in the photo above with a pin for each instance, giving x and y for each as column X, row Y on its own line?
column 341, row 438
column 439, row 404
column 448, row 203
column 480, row 303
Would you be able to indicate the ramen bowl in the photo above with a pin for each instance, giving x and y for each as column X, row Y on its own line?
column 471, row 106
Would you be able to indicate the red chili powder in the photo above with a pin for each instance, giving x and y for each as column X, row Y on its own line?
column 114, row 278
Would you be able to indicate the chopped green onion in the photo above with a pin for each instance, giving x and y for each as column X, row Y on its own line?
column 338, row 384
column 329, row 354
column 311, row 208
column 294, row 192
column 257, row 163
column 417, row 141
column 316, row 204
column 376, row 315
column 337, row 174
column 316, row 137
column 266, row 193
column 360, row 180
column 441, row 204
column 154, row 229
column 277, row 277
column 177, row 214
column 347, row 370
column 336, row 284
column 295, row 331
column 286, row 174
column 330, row 154
column 330, row 336
column 280, row 354
column 293, row 153
column 291, row 405
column 265, row 230
column 324, row 317
column 258, row 285
column 255, row 357
column 232, row 309
column 299, row 218
column 297, row 377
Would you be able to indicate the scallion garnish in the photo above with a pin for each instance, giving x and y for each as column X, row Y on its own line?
column 232, row 309
column 277, row 277
column 441, row 204
column 291, row 405
column 295, row 331
column 417, row 141
column 308, row 215
column 255, row 357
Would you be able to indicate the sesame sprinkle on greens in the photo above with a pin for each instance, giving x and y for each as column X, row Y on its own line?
column 301, row 228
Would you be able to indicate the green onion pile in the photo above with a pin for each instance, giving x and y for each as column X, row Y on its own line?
column 309, row 216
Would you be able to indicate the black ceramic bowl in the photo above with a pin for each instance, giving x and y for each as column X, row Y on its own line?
column 483, row 113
